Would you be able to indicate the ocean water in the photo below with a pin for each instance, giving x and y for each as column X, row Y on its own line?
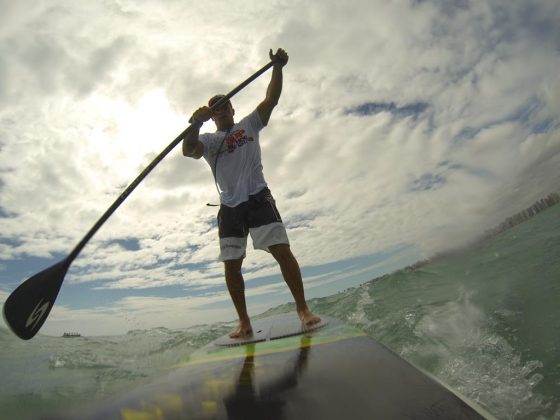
column 486, row 321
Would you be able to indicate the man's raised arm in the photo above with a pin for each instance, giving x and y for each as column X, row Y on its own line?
column 275, row 86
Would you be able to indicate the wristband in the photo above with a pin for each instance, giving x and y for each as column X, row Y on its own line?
column 195, row 122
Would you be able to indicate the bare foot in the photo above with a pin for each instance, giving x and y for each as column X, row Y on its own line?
column 308, row 318
column 243, row 330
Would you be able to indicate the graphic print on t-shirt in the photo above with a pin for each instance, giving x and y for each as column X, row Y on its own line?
column 237, row 139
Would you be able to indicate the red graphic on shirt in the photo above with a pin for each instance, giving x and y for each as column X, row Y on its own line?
column 237, row 139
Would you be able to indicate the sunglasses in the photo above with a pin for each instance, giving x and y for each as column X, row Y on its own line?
column 222, row 107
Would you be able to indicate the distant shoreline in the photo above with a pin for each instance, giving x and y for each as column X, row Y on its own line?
column 524, row 215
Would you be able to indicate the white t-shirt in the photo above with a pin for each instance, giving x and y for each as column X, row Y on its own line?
column 238, row 171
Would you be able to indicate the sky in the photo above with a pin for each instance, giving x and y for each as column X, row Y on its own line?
column 405, row 128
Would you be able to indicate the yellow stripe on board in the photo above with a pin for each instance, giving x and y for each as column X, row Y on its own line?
column 217, row 354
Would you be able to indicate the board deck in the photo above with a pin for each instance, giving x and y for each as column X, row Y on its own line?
column 271, row 328
column 332, row 372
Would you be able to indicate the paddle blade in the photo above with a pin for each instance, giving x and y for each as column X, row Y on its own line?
column 27, row 308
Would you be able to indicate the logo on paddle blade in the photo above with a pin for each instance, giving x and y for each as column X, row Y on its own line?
column 38, row 313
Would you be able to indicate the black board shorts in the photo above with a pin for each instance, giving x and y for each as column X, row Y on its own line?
column 257, row 216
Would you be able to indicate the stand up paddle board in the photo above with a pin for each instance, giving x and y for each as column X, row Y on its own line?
column 285, row 371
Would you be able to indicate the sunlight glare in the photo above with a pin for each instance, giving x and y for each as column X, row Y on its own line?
column 127, row 135
column 150, row 124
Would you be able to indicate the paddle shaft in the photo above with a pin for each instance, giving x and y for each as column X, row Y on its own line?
column 152, row 165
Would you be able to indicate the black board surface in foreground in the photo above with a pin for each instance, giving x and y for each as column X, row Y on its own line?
column 332, row 372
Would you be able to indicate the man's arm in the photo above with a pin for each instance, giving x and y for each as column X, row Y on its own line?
column 275, row 86
column 192, row 146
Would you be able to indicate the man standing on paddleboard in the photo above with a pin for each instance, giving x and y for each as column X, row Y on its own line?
column 246, row 204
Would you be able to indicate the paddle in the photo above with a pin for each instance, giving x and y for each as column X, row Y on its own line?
column 28, row 306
